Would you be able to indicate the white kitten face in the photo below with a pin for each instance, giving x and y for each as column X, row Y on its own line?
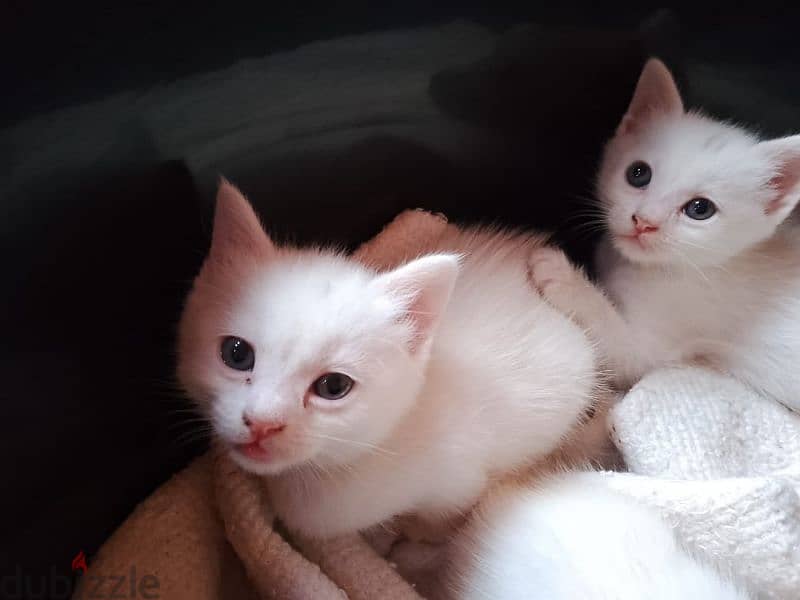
column 302, row 357
column 704, row 194
column 680, row 188
column 304, row 318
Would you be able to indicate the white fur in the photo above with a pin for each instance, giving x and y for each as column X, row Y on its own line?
column 723, row 292
column 575, row 539
column 447, row 392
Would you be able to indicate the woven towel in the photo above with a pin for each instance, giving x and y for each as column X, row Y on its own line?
column 723, row 464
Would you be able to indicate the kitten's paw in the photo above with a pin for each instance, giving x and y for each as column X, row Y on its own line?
column 549, row 268
column 418, row 562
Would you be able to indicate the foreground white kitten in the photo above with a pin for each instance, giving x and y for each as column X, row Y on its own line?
column 701, row 263
column 365, row 395
column 574, row 539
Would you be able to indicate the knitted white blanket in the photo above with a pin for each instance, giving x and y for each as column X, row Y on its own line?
column 723, row 465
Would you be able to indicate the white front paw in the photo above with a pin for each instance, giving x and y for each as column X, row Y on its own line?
column 549, row 268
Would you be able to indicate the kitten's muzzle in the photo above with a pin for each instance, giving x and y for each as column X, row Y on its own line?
column 262, row 429
column 643, row 225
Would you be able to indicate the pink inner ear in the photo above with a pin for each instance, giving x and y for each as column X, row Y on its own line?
column 779, row 184
column 786, row 181
column 783, row 185
column 423, row 286
column 656, row 92
column 238, row 233
column 421, row 313
column 627, row 125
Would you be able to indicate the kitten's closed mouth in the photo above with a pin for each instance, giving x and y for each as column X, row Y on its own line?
column 253, row 451
column 633, row 238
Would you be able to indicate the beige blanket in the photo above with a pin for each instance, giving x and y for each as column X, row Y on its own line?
column 208, row 532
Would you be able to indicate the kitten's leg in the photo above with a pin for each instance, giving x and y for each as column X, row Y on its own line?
column 573, row 538
column 567, row 289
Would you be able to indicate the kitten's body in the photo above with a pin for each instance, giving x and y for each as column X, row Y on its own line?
column 723, row 290
column 571, row 538
column 742, row 316
column 457, row 378
column 507, row 378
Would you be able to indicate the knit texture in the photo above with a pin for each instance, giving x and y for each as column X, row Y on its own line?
column 723, row 465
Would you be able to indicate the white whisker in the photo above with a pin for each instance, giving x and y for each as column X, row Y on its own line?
column 368, row 445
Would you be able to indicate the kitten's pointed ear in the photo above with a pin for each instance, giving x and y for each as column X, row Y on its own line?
column 783, row 155
column 656, row 91
column 422, row 289
column 237, row 230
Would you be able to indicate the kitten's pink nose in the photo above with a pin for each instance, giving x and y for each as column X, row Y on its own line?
column 262, row 429
column 643, row 225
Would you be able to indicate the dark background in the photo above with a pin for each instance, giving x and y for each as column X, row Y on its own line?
column 95, row 260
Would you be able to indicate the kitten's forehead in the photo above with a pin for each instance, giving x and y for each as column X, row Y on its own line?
column 697, row 135
column 692, row 154
column 307, row 303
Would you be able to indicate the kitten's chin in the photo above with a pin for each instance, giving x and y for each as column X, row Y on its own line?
column 261, row 464
column 636, row 251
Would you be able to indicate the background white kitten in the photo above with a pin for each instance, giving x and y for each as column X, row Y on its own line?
column 571, row 538
column 700, row 262
column 365, row 395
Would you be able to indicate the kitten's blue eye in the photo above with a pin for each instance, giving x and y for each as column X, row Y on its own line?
column 639, row 174
column 237, row 354
column 332, row 386
column 699, row 209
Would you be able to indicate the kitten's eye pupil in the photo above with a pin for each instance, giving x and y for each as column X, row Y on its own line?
column 332, row 386
column 699, row 209
column 639, row 174
column 237, row 354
